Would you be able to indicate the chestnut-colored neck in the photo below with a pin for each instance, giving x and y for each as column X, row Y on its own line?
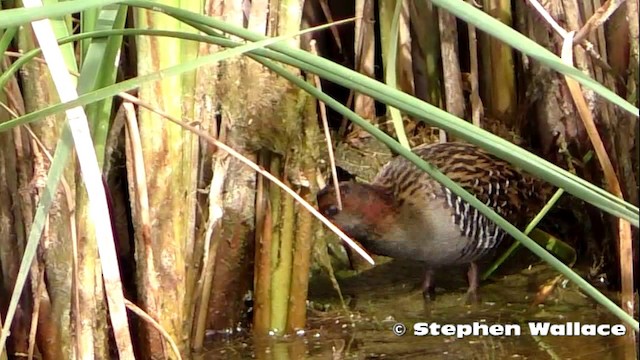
column 374, row 214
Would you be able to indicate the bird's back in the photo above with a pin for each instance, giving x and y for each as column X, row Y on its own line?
column 514, row 195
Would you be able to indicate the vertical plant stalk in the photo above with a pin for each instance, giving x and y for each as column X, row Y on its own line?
column 365, row 47
column 634, row 78
column 100, row 60
column 276, row 252
column 92, row 310
column 262, row 282
column 190, row 159
column 13, row 203
column 43, row 330
column 619, row 130
column 282, row 272
column 39, row 91
column 38, row 296
column 48, row 333
column 139, row 198
column 454, row 98
column 37, row 288
column 426, row 42
column 271, row 223
column 234, row 80
column 209, row 232
column 211, row 243
column 498, row 84
column 308, row 154
column 232, row 276
column 170, row 161
column 327, row 133
column 404, row 68
column 623, row 128
column 477, row 108
column 297, row 317
column 625, row 247
column 426, row 54
column 390, row 24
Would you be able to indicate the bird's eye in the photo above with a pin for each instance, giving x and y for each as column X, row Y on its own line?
column 331, row 210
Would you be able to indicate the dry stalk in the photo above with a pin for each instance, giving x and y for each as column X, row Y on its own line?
column 624, row 228
column 139, row 197
column 454, row 98
column 477, row 109
column 211, row 241
column 364, row 49
column 327, row 133
column 586, row 44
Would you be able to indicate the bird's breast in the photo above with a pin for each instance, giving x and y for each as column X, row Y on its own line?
column 438, row 232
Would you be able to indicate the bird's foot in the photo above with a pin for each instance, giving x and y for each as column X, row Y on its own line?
column 474, row 281
column 429, row 294
column 472, row 297
column 428, row 286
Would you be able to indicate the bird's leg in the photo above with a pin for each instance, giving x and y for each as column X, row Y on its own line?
column 429, row 286
column 474, row 281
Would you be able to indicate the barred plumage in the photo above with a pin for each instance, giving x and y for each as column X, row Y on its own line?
column 406, row 214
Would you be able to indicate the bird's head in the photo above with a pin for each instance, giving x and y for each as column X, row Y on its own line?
column 366, row 209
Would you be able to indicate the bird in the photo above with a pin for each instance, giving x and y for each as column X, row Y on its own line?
column 405, row 214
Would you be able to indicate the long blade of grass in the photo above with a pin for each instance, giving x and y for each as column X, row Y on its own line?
column 20, row 16
column 99, row 69
column 390, row 68
column 7, row 37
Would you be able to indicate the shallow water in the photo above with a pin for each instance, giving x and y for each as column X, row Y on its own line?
column 388, row 294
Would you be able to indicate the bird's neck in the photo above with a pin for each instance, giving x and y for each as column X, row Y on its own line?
column 380, row 221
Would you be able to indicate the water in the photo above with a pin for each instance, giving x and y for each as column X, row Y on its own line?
column 387, row 295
